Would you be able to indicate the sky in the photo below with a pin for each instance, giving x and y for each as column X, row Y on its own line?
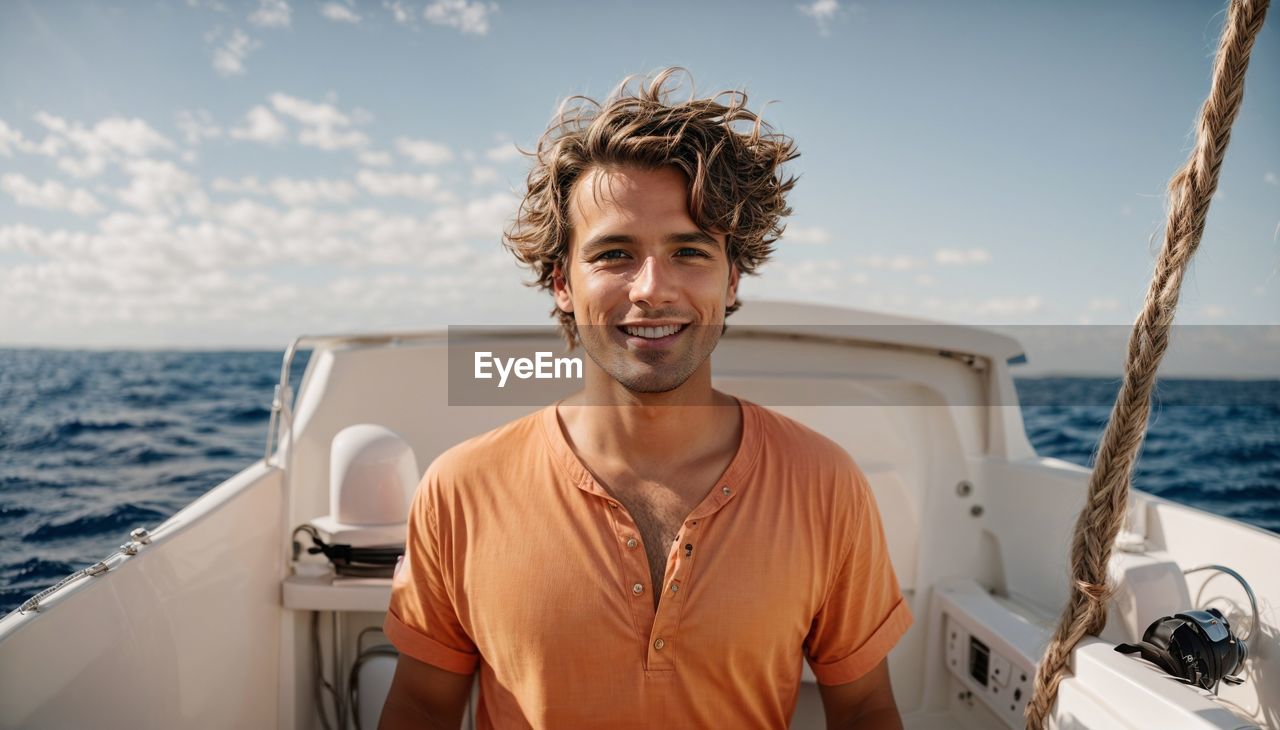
column 210, row 173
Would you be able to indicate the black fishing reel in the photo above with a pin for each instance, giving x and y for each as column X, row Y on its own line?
column 1196, row 646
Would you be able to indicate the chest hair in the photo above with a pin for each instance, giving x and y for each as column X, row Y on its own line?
column 659, row 521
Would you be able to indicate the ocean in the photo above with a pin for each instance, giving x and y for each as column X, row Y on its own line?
column 94, row 444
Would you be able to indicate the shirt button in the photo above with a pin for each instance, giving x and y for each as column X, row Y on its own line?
column 631, row 543
column 726, row 490
column 674, row 587
column 638, row 588
column 658, row 644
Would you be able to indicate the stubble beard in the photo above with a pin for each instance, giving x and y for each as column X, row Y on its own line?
column 649, row 371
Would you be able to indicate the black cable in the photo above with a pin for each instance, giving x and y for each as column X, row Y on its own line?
column 321, row 683
column 378, row 561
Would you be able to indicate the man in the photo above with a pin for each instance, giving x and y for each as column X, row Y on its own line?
column 648, row 552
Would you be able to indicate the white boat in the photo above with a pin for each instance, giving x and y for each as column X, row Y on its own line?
column 204, row 623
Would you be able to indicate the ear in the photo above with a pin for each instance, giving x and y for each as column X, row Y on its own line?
column 560, row 286
column 732, row 295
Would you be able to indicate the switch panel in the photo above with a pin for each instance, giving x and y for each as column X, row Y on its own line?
column 993, row 665
column 988, row 673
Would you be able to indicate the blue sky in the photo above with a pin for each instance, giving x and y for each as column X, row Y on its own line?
column 213, row 173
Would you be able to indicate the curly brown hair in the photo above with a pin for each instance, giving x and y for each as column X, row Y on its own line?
column 735, row 183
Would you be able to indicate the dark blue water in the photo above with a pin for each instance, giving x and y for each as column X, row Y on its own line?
column 94, row 444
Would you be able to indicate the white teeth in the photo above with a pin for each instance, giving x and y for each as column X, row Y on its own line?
column 653, row 333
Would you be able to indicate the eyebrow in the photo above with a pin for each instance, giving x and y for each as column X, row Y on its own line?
column 612, row 239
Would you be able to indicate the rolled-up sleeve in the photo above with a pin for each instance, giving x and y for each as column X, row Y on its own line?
column 422, row 620
column 864, row 614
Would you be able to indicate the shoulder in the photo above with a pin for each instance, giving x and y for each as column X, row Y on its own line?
column 488, row 456
column 811, row 459
column 799, row 442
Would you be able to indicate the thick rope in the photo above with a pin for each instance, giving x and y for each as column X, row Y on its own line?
column 1190, row 192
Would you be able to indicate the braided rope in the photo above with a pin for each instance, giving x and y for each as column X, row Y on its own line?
column 1190, row 192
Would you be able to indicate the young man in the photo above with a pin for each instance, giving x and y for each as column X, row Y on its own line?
column 648, row 552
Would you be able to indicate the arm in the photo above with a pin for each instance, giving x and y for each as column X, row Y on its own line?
column 438, row 659
column 424, row 696
column 865, row 703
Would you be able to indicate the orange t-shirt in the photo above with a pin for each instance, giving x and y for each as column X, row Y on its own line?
column 519, row 561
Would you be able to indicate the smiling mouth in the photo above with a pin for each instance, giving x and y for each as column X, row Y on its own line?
column 653, row 333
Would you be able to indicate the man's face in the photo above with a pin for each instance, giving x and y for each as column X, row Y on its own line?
column 646, row 287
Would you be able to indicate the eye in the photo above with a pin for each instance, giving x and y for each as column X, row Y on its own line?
column 611, row 255
column 691, row 250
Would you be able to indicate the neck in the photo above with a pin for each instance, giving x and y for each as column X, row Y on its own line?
column 648, row 432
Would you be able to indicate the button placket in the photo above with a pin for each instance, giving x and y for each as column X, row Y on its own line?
column 634, row 565
column 663, row 620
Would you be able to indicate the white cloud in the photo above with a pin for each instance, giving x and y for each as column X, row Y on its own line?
column 812, row 235
column 260, row 125
column 424, row 152
column 110, row 139
column 1103, row 304
column 484, row 175
column 130, row 136
column 214, row 5
column 82, row 168
column 271, row 14
column 957, row 257
column 468, row 16
column 374, row 158
column 419, row 187
column 1215, row 311
column 161, row 187
column 148, row 276
column 329, row 138
column 307, row 192
column 248, row 184
column 339, row 13
column 50, row 195
column 822, row 12
column 924, row 280
column 504, row 153
column 308, row 112
column 816, row 275
column 1009, row 306
column 290, row 191
column 10, row 139
column 1270, row 178
column 476, row 219
column 197, row 126
column 899, row 262
column 324, row 125
column 229, row 57
column 400, row 12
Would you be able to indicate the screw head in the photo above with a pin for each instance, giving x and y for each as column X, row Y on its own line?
column 964, row 488
column 976, row 510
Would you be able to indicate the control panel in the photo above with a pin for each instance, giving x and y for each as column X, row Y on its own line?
column 996, row 667
column 988, row 673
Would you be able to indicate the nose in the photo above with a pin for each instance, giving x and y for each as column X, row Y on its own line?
column 653, row 285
